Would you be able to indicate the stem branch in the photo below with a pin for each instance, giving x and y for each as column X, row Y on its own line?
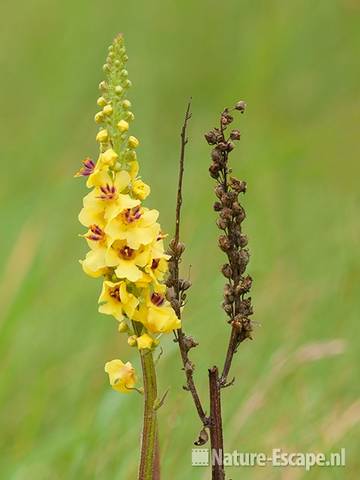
column 149, row 460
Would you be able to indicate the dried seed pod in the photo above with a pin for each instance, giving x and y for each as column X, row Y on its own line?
column 241, row 106
column 176, row 247
column 189, row 342
column 227, row 270
column 222, row 223
column 238, row 211
column 238, row 185
column 226, row 118
column 244, row 258
column 214, row 170
column 228, row 308
column 226, row 214
column 216, row 154
column 243, row 240
column 217, row 206
column 211, row 137
column 219, row 191
column 224, row 243
column 235, row 135
column 244, row 286
column 245, row 307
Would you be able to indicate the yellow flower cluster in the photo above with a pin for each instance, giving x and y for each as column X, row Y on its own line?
column 124, row 237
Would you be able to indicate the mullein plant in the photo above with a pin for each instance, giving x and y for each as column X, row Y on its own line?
column 126, row 248
column 236, row 301
column 142, row 286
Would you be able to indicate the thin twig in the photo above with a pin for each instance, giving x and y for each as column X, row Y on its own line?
column 176, row 250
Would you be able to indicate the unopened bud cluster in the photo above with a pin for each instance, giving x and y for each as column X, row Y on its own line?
column 231, row 215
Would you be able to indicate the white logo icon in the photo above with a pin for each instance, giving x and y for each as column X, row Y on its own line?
column 200, row 457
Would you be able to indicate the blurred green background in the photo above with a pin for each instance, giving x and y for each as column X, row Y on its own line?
column 296, row 64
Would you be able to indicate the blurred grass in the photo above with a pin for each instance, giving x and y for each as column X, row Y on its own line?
column 296, row 65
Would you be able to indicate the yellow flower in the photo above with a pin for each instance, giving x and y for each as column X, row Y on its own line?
column 144, row 341
column 135, row 225
column 117, row 300
column 102, row 136
column 106, row 201
column 157, row 315
column 140, row 189
column 122, row 376
column 133, row 142
column 123, row 126
column 127, row 260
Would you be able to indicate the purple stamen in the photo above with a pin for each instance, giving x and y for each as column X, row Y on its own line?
column 157, row 299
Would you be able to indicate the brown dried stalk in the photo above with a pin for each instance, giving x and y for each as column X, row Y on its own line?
column 233, row 242
column 178, row 286
column 236, row 305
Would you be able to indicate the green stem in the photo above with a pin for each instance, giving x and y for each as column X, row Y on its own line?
column 149, row 469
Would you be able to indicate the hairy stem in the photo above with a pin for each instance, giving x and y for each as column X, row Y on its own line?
column 149, row 460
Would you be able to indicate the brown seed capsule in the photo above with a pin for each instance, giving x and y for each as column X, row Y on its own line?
column 241, row 106
column 222, row 223
column 245, row 307
column 219, row 190
column 216, row 154
column 211, row 137
column 238, row 211
column 226, row 270
column 226, row 118
column 224, row 243
column 176, row 247
column 230, row 146
column 223, row 146
column 235, row 135
column 228, row 308
column 243, row 240
column 238, row 186
column 244, row 258
column 214, row 170
column 217, row 206
column 226, row 214
column 244, row 286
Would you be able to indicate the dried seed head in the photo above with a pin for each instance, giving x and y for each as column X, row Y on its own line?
column 226, row 270
column 244, row 286
column 219, row 191
column 226, row 118
column 211, row 137
column 244, row 258
column 235, row 135
column 217, row 206
column 227, row 308
column 243, row 240
column 224, row 243
column 214, row 170
column 239, row 186
column 177, row 248
column 222, row 223
column 241, row 106
column 216, row 154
